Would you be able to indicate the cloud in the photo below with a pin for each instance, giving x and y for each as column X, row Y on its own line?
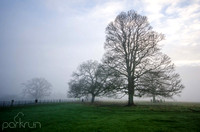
column 180, row 22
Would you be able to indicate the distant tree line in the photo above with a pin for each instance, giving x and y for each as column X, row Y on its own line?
column 133, row 64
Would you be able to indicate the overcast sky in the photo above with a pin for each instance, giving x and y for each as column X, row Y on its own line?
column 50, row 38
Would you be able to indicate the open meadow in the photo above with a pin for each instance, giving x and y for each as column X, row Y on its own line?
column 102, row 116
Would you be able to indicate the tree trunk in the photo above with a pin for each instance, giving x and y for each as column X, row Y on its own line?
column 154, row 95
column 130, row 99
column 93, row 97
column 154, row 99
column 130, row 92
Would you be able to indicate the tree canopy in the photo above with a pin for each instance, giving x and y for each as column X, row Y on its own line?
column 132, row 50
column 163, row 82
column 133, row 63
column 92, row 79
column 37, row 88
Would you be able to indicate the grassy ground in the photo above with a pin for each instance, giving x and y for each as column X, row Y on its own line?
column 74, row 117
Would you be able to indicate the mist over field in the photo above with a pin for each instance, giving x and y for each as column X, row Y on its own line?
column 51, row 38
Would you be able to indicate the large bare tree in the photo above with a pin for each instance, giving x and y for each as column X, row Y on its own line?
column 132, row 50
column 92, row 79
column 37, row 88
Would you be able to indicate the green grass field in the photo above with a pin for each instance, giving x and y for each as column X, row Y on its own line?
column 105, row 117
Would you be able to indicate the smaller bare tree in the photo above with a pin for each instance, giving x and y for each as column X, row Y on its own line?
column 95, row 80
column 162, row 81
column 37, row 88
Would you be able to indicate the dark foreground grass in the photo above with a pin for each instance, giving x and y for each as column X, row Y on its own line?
column 74, row 117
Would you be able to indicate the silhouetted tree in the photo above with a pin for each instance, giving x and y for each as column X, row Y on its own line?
column 162, row 82
column 37, row 88
column 132, row 50
column 93, row 79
